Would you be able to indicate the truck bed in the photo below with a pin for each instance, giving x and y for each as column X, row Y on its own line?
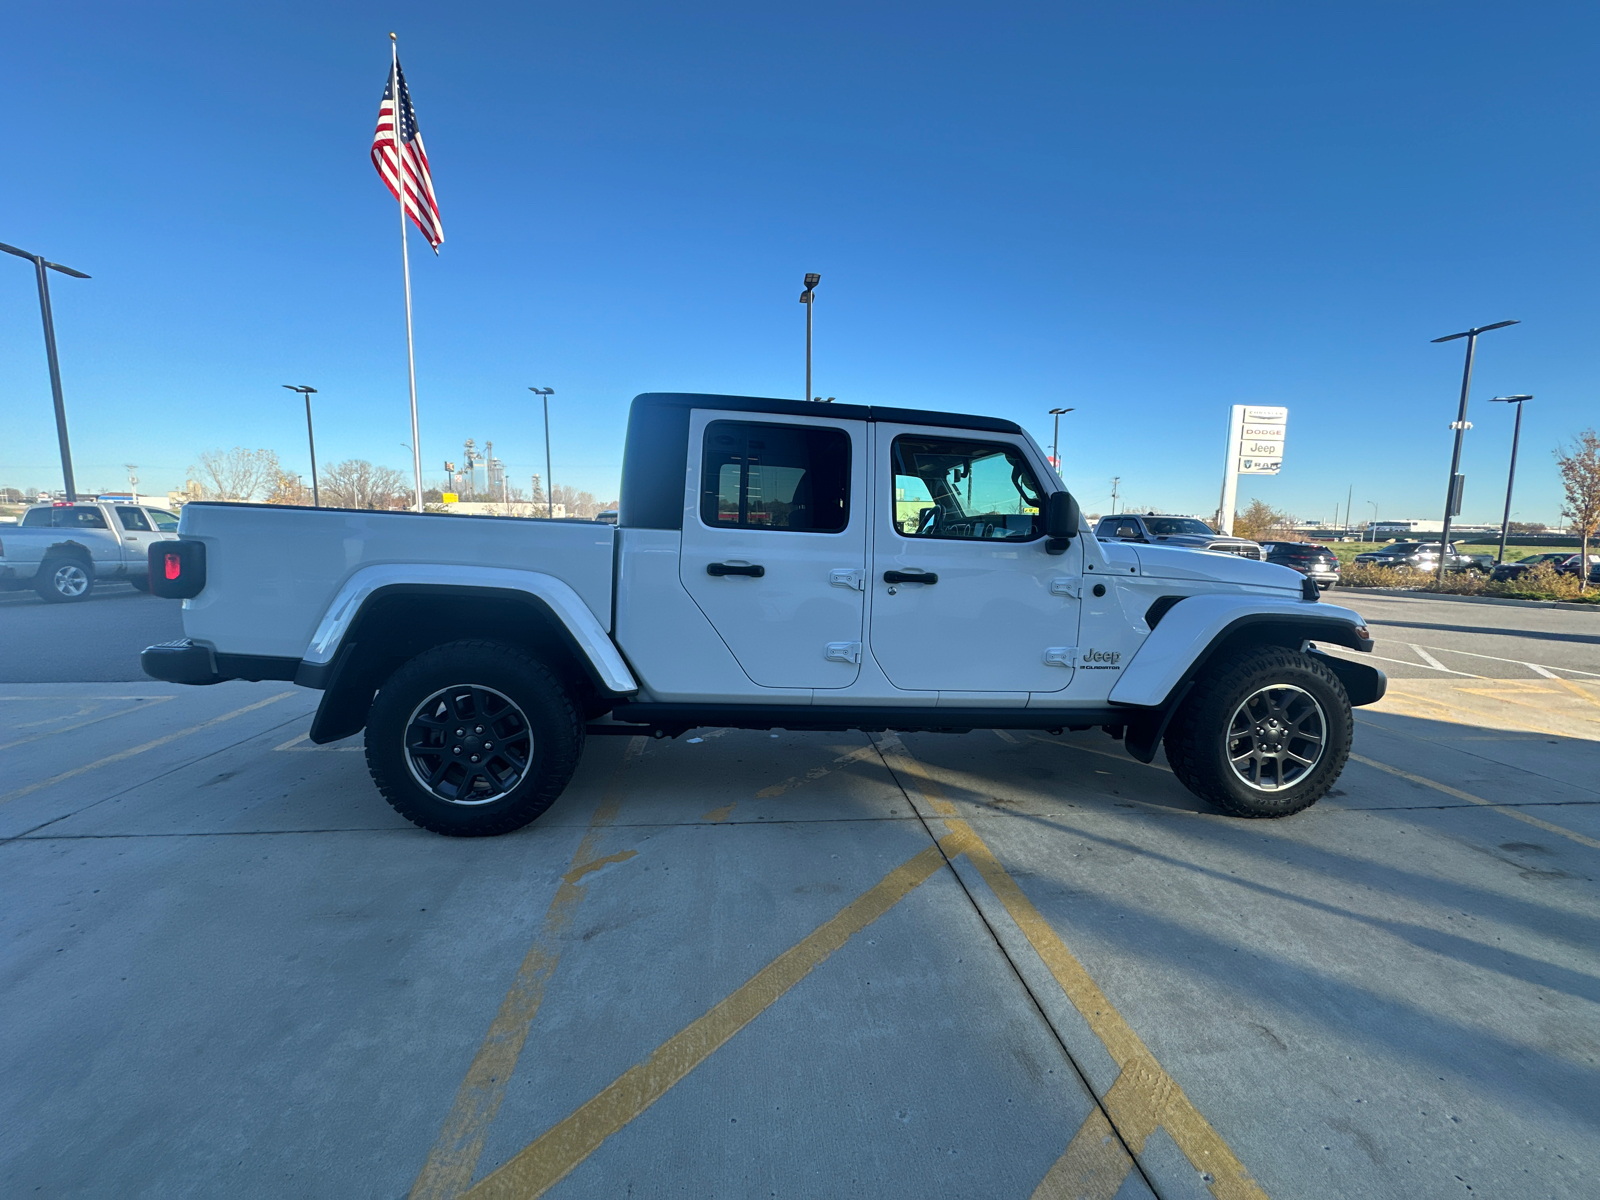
column 273, row 570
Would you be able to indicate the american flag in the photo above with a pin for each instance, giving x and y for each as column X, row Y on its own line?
column 420, row 204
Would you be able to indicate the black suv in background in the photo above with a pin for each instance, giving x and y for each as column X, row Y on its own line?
column 1515, row 570
column 1318, row 563
column 1162, row 529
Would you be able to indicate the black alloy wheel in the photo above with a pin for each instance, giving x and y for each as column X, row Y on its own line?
column 473, row 738
column 1276, row 737
column 468, row 744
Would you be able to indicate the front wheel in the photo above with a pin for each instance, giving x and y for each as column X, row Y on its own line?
column 473, row 739
column 64, row 580
column 1263, row 734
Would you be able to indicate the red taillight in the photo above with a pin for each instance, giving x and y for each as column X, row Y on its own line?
column 173, row 567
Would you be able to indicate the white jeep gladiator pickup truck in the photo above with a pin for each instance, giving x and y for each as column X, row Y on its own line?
column 776, row 564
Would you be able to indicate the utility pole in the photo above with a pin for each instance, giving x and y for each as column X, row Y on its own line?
column 1347, row 498
column 40, row 265
column 809, row 299
column 1114, row 482
column 1452, row 496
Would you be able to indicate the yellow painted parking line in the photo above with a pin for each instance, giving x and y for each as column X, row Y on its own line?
column 794, row 781
column 1093, row 1168
column 44, row 733
column 550, row 1158
column 454, row 1157
column 122, row 755
column 1144, row 1097
column 1504, row 809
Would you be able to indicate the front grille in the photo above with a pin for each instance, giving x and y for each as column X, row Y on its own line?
column 1242, row 551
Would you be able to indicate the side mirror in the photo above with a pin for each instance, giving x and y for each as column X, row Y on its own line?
column 1061, row 520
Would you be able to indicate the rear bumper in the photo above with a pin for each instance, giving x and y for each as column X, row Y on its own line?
column 186, row 661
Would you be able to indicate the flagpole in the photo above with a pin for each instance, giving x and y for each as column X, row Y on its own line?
column 405, row 261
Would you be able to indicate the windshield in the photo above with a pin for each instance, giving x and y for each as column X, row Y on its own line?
column 1168, row 526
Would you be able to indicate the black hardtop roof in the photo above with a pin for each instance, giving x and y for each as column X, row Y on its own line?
column 842, row 412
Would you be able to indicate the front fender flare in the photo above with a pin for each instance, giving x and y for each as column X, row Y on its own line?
column 1192, row 629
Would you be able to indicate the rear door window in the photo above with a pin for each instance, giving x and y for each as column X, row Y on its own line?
column 79, row 518
column 133, row 520
column 788, row 478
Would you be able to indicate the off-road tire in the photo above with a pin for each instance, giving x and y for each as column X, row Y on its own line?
column 1197, row 741
column 512, row 675
column 60, row 579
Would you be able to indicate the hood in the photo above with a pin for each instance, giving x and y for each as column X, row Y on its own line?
column 1175, row 562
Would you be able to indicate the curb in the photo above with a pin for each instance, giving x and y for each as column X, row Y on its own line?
column 1416, row 594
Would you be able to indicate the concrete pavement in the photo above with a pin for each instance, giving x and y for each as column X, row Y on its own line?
column 806, row 964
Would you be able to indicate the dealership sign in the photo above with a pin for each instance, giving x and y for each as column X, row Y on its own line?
column 1255, row 447
column 1259, row 434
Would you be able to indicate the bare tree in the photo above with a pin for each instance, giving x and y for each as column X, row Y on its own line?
column 236, row 474
column 1580, row 478
column 579, row 504
column 356, row 483
column 1262, row 522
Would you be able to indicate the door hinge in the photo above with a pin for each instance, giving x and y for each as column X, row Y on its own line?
column 1067, row 585
column 854, row 578
column 1060, row 656
column 845, row 652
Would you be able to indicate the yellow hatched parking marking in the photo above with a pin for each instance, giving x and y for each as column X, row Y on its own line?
column 1144, row 1097
column 550, row 1158
column 454, row 1158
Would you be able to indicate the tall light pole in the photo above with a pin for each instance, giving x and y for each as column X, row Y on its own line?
column 809, row 299
column 549, row 487
column 311, row 439
column 1511, row 475
column 39, row 266
column 1055, row 440
column 1452, row 496
column 1373, row 528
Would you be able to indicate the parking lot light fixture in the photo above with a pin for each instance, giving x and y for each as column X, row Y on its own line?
column 1452, row 495
column 40, row 266
column 1511, row 475
column 1055, row 440
column 311, row 438
column 808, row 298
column 549, row 486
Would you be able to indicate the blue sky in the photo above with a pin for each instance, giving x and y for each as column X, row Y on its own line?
column 1147, row 212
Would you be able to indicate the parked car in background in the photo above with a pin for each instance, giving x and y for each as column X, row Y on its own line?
column 1569, row 564
column 1317, row 562
column 1418, row 556
column 1162, row 529
column 1515, row 570
column 62, row 550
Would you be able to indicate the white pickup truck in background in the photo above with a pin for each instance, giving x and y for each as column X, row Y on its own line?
column 62, row 550
column 776, row 564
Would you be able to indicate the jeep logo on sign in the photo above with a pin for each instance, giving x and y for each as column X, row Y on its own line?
column 1110, row 657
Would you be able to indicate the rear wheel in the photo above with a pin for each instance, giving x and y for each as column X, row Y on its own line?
column 473, row 739
column 64, row 580
column 1264, row 734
